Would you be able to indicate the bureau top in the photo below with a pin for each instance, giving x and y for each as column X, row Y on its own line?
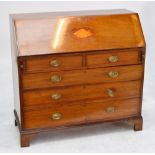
column 78, row 31
column 69, row 13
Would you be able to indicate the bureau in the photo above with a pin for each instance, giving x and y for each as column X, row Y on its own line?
column 76, row 68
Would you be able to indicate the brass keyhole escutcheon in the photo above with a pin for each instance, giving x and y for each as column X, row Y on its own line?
column 56, row 78
column 56, row 96
column 111, row 92
column 110, row 109
column 56, row 116
column 113, row 59
column 113, row 74
column 55, row 63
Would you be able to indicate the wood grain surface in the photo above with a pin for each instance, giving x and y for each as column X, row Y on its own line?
column 78, row 113
column 76, row 94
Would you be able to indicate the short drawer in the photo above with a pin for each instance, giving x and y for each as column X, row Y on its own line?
column 78, row 77
column 81, row 113
column 64, row 96
column 113, row 59
column 53, row 63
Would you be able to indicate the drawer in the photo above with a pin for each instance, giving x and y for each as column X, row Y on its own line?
column 64, row 96
column 77, row 77
column 113, row 59
column 53, row 63
column 81, row 113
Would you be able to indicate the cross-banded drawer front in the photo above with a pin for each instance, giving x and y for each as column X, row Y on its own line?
column 81, row 113
column 76, row 77
column 64, row 96
column 53, row 63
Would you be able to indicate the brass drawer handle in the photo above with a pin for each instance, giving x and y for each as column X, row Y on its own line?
column 55, row 63
column 111, row 92
column 56, row 96
column 56, row 78
column 113, row 59
column 110, row 109
column 56, row 116
column 113, row 74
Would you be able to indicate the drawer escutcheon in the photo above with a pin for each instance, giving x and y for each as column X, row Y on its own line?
column 113, row 59
column 110, row 109
column 56, row 96
column 55, row 63
column 56, row 116
column 56, row 78
column 111, row 92
column 113, row 74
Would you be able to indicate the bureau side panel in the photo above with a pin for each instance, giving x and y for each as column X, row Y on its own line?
column 15, row 73
column 143, row 63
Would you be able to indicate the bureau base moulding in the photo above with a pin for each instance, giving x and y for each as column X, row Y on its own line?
column 26, row 137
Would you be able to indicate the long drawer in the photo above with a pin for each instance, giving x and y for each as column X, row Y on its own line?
column 101, row 92
column 87, row 76
column 81, row 113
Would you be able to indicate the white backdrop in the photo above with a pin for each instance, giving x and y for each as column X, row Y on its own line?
column 99, row 138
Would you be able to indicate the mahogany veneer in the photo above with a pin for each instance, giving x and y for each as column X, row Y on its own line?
column 76, row 68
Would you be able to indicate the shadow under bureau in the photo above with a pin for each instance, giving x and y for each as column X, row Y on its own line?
column 76, row 68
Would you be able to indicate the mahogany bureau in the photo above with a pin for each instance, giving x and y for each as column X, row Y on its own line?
column 76, row 68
